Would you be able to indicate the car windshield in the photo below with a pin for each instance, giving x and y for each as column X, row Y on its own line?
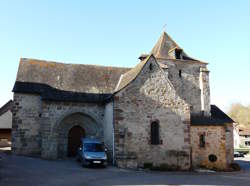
column 93, row 147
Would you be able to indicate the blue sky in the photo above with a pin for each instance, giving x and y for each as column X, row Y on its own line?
column 115, row 33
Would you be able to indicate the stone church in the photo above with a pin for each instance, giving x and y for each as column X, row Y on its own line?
column 156, row 113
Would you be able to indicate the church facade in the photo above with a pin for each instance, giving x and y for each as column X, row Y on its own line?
column 157, row 113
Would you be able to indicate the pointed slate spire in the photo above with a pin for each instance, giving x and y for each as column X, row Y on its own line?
column 164, row 46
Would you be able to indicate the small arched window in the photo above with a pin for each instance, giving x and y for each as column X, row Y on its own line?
column 178, row 53
column 155, row 134
column 202, row 140
column 180, row 73
column 150, row 67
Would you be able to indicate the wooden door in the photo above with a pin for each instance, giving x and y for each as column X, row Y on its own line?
column 74, row 140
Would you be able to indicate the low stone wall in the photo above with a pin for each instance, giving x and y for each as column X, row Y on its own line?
column 218, row 142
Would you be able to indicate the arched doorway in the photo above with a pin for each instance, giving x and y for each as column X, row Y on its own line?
column 74, row 139
column 64, row 132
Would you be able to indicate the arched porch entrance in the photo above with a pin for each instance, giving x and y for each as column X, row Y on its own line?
column 75, row 135
column 71, row 129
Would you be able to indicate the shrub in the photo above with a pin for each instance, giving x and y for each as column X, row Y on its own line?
column 235, row 166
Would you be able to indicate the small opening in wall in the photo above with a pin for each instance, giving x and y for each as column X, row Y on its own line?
column 155, row 133
column 178, row 53
column 202, row 140
column 212, row 158
column 180, row 73
column 150, row 66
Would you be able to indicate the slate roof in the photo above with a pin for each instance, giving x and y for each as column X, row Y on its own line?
column 84, row 82
column 218, row 117
column 49, row 93
column 165, row 45
column 70, row 77
column 6, row 107
column 129, row 76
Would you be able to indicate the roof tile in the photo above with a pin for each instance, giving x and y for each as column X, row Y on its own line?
column 70, row 77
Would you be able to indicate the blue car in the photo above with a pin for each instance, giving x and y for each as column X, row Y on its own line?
column 92, row 152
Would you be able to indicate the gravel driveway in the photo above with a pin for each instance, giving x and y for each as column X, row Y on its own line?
column 25, row 171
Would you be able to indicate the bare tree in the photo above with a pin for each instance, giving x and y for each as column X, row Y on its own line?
column 240, row 114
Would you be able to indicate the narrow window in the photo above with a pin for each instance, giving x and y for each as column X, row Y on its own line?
column 150, row 66
column 178, row 53
column 202, row 140
column 180, row 73
column 191, row 107
column 155, row 136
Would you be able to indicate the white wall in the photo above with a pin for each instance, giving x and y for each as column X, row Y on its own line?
column 236, row 137
column 6, row 120
column 108, row 129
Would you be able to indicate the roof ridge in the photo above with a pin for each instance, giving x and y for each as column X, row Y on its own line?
column 27, row 60
column 6, row 107
column 71, row 77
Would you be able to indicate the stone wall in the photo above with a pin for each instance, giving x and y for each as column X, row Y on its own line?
column 218, row 141
column 40, row 128
column 151, row 97
column 187, row 83
column 26, row 113
column 57, row 123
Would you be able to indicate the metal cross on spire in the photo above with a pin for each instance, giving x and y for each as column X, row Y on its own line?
column 164, row 27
